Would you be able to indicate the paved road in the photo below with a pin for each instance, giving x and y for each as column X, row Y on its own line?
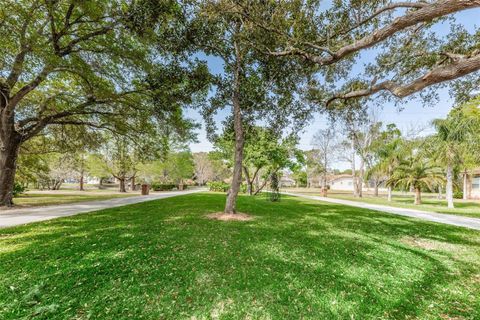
column 13, row 217
column 454, row 220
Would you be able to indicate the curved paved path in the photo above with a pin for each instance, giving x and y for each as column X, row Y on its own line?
column 14, row 217
column 454, row 220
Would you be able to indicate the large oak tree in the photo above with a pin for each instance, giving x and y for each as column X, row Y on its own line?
column 67, row 62
column 411, row 55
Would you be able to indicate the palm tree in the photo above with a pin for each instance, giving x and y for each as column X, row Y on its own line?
column 452, row 140
column 416, row 173
column 390, row 152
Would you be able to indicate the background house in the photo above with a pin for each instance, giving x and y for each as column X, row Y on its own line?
column 473, row 184
column 341, row 182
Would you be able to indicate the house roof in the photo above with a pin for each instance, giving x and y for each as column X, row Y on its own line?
column 339, row 176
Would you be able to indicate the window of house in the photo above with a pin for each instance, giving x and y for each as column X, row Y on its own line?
column 476, row 183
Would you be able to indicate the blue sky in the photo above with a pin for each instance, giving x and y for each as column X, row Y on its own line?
column 413, row 114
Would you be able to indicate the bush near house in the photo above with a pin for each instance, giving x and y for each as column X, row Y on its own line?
column 458, row 194
column 163, row 187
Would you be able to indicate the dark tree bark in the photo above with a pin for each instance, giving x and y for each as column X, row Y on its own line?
column 10, row 142
column 230, row 205
column 133, row 187
column 82, row 182
column 122, row 184
column 249, row 182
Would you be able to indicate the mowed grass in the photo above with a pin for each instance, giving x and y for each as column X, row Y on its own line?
column 467, row 208
column 298, row 259
column 45, row 199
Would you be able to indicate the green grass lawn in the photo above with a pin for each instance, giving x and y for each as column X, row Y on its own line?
column 45, row 199
column 298, row 259
column 470, row 208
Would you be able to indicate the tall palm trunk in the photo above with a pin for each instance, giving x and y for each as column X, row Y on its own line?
column 418, row 196
column 354, row 174
column 465, row 185
column 449, row 186
column 389, row 188
column 360, row 178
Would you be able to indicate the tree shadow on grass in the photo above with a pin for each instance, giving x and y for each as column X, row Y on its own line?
column 163, row 259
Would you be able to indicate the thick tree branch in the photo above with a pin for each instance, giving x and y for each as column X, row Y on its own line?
column 42, row 75
column 390, row 7
column 426, row 13
column 460, row 66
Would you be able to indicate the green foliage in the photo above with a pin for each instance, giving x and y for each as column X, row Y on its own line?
column 265, row 152
column 179, row 166
column 300, row 177
column 458, row 194
column 163, row 187
column 418, row 173
column 218, row 186
column 18, row 189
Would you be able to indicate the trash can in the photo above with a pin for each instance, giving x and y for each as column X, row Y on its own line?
column 145, row 189
column 324, row 192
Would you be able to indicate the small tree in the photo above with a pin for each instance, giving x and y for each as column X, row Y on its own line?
column 389, row 152
column 204, row 168
column 325, row 142
column 417, row 173
column 180, row 166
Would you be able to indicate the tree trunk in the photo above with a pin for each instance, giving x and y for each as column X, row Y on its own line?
column 82, row 182
column 449, row 187
column 418, row 196
column 440, row 190
column 389, row 194
column 9, row 146
column 465, row 185
column 375, row 191
column 133, row 187
column 57, row 184
column 122, row 185
column 361, row 177
column 354, row 174
column 249, row 182
column 230, row 205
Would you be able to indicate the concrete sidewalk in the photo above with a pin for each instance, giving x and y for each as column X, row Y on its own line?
column 14, row 217
column 454, row 220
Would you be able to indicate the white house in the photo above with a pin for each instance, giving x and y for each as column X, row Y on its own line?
column 286, row 181
column 472, row 184
column 342, row 182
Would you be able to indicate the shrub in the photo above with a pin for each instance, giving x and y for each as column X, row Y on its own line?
column 163, row 187
column 218, row 186
column 18, row 189
column 458, row 194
